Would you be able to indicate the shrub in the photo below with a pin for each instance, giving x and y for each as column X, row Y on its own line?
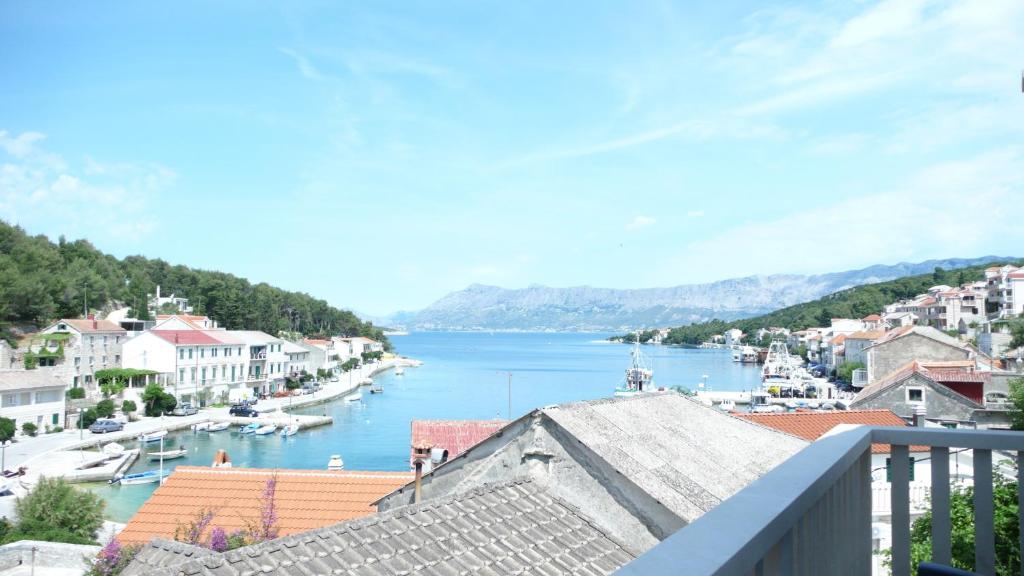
column 87, row 417
column 7, row 429
column 55, row 511
column 128, row 407
column 292, row 383
column 112, row 559
column 105, row 408
column 56, row 429
column 156, row 401
column 76, row 393
column 29, row 429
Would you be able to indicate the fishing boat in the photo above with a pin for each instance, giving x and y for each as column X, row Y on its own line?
column 335, row 463
column 399, row 371
column 147, row 477
column 290, row 430
column 218, row 426
column 639, row 378
column 249, row 428
column 202, row 427
column 168, row 454
column 264, row 430
column 153, row 436
column 354, row 397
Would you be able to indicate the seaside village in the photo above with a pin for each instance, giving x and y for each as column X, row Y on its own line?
column 633, row 483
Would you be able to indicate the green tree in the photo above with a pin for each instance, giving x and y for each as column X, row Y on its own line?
column 55, row 511
column 156, row 401
column 128, row 407
column 7, row 429
column 76, row 393
column 1016, row 334
column 105, row 408
column 1017, row 400
column 87, row 418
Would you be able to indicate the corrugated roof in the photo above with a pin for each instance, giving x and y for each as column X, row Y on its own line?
column 305, row 499
column 686, row 455
column 513, row 528
column 85, row 325
column 185, row 337
column 455, row 436
column 813, row 425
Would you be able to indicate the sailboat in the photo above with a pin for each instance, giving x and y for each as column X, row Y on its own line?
column 639, row 378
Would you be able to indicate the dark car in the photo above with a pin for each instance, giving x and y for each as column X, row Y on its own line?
column 104, row 426
column 243, row 410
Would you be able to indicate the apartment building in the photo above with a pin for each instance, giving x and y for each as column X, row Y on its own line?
column 1005, row 286
column 78, row 348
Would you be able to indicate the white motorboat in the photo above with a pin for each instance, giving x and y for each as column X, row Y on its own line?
column 147, row 477
column 354, row 397
column 335, row 463
column 168, row 454
column 290, row 430
column 399, row 371
column 218, row 426
column 153, row 436
column 202, row 426
column 264, row 430
column 249, row 428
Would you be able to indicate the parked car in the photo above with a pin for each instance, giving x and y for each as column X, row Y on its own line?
column 104, row 426
column 184, row 409
column 243, row 410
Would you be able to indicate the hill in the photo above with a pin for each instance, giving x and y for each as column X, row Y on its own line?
column 539, row 308
column 41, row 281
column 855, row 302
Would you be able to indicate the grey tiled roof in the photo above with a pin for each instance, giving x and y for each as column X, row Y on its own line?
column 513, row 528
column 161, row 553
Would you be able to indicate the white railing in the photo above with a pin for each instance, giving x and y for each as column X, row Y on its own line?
column 812, row 513
column 881, row 499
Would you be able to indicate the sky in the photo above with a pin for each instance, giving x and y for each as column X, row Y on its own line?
column 379, row 155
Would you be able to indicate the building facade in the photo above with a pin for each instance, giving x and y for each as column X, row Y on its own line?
column 33, row 396
column 80, row 348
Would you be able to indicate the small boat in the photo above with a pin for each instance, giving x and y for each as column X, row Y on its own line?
column 335, row 463
column 290, row 430
column 218, row 426
column 249, row 428
column 399, row 371
column 147, row 477
column 113, row 449
column 354, row 397
column 168, row 454
column 202, row 427
column 727, row 405
column 376, row 389
column 264, row 430
column 153, row 436
column 366, row 382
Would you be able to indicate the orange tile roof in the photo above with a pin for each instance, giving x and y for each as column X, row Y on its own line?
column 872, row 318
column 813, row 425
column 867, row 335
column 455, row 436
column 85, row 325
column 305, row 499
column 838, row 340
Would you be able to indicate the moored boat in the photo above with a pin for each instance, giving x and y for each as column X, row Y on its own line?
column 354, row 397
column 249, row 428
column 147, row 477
column 264, row 430
column 218, row 426
column 639, row 378
column 153, row 436
column 290, row 430
column 168, row 454
column 202, row 427
column 399, row 371
column 376, row 389
column 335, row 463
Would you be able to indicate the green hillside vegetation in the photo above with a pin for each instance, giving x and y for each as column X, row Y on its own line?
column 856, row 302
column 41, row 281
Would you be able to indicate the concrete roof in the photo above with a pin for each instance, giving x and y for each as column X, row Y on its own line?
column 305, row 499
column 686, row 455
column 28, row 379
column 511, row 528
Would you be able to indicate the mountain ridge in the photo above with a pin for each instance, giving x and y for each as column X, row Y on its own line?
column 588, row 308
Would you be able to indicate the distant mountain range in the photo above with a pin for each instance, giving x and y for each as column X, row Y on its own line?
column 583, row 308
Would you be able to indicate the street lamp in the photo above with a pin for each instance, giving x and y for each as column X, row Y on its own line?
column 3, row 455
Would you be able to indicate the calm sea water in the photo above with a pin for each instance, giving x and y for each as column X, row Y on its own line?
column 464, row 375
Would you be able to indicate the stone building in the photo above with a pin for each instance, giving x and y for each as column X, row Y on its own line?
column 912, row 343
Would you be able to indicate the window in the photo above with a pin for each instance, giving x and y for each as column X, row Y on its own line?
column 202, row 352
column 104, row 359
column 74, row 382
column 92, row 360
column 104, row 340
column 213, row 352
column 26, row 399
column 227, row 352
column 55, row 419
column 193, row 375
column 181, row 353
column 117, row 359
column 117, row 339
column 239, row 350
column 48, row 396
column 232, row 373
column 181, row 375
column 189, row 353
column 78, row 361
column 9, row 400
column 204, row 375
column 915, row 394
column 88, row 378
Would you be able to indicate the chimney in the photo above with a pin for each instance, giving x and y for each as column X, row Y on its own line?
column 95, row 324
column 919, row 414
column 418, row 494
column 175, row 337
column 91, row 317
column 221, row 459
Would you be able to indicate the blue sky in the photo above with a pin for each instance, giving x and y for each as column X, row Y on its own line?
column 382, row 154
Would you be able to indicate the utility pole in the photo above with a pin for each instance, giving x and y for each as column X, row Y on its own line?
column 85, row 301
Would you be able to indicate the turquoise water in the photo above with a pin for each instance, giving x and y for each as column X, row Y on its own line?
column 464, row 375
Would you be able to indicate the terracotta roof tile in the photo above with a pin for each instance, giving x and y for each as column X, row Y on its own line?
column 188, row 337
column 872, row 318
column 813, row 425
column 455, row 436
column 305, row 499
column 85, row 325
column 867, row 335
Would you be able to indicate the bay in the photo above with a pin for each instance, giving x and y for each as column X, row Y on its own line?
column 465, row 375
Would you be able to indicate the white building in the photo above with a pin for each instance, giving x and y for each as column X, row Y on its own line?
column 298, row 359
column 733, row 337
column 323, row 355
column 180, row 303
column 35, row 396
column 88, row 346
column 1005, row 290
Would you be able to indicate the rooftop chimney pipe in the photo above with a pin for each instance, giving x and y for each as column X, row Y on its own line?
column 418, row 494
column 919, row 414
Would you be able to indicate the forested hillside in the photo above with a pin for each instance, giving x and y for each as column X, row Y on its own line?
column 41, row 281
column 850, row 303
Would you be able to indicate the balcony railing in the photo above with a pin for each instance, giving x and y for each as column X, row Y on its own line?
column 812, row 514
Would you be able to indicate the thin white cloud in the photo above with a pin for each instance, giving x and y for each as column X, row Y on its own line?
column 695, row 214
column 306, row 68
column 640, row 222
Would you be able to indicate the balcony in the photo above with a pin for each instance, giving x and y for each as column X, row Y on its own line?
column 812, row 514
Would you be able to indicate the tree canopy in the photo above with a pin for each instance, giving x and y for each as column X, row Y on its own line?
column 41, row 281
